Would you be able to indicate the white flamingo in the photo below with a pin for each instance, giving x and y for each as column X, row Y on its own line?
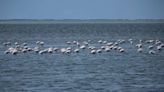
column 140, row 50
column 93, row 52
column 68, row 42
column 50, row 50
column 100, row 41
column 99, row 51
column 107, row 49
column 121, row 50
column 159, row 48
column 77, row 50
column 151, row 52
column 82, row 47
column 139, row 45
column 150, row 47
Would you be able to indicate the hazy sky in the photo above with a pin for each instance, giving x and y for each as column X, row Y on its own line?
column 81, row 9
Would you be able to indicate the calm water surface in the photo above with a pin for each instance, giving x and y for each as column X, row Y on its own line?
column 81, row 72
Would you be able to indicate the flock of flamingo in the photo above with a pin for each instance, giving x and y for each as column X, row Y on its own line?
column 153, row 46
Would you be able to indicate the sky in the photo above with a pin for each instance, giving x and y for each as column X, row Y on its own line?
column 81, row 9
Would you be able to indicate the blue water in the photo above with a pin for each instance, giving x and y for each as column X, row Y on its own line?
column 81, row 72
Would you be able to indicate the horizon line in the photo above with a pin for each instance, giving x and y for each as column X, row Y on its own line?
column 86, row 19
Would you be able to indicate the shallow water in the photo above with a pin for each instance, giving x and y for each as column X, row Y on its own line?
column 81, row 72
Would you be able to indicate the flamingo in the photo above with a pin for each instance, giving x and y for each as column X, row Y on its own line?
column 140, row 50
column 99, row 51
column 121, row 50
column 151, row 52
column 77, row 50
column 93, row 52
column 82, row 47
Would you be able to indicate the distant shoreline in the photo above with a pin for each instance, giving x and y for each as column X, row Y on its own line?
column 58, row 21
